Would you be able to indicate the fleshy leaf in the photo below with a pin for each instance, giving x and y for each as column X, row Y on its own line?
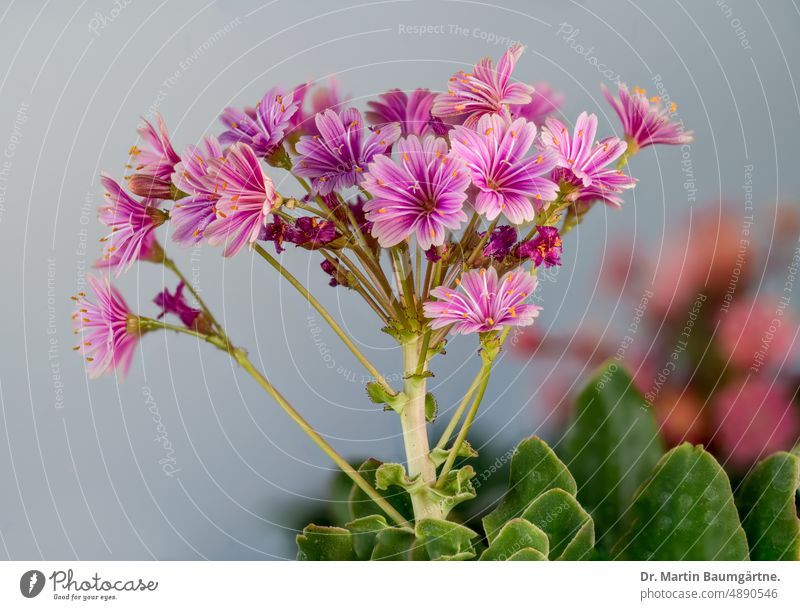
column 515, row 536
column 445, row 540
column 684, row 511
column 568, row 526
column 528, row 555
column 362, row 506
column 396, row 544
column 611, row 449
column 766, row 503
column 388, row 475
column 318, row 543
column 378, row 394
column 457, row 488
column 431, row 407
column 439, row 455
column 364, row 531
column 534, row 470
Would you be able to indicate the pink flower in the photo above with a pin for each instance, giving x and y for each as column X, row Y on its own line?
column 157, row 159
column 754, row 333
column 196, row 175
column 583, row 165
column 246, row 197
column 131, row 223
column 412, row 112
column 423, row 194
column 107, row 328
column 336, row 158
column 262, row 128
column 323, row 98
column 508, row 182
column 486, row 91
column 483, row 304
column 754, row 418
column 645, row 121
column 544, row 102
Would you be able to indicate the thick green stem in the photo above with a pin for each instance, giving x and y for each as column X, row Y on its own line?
column 415, row 433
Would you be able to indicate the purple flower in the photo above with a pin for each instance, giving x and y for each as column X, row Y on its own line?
column 150, row 250
column 583, row 165
column 506, row 179
column 131, row 223
column 196, row 175
column 544, row 248
column 646, row 121
column 323, row 98
column 544, row 102
column 107, row 328
column 176, row 304
column 336, row 158
column 483, row 304
column 412, row 112
column 159, row 158
column 246, row 197
column 424, row 193
column 276, row 232
column 486, row 91
column 435, row 253
column 500, row 242
column 264, row 127
column 310, row 233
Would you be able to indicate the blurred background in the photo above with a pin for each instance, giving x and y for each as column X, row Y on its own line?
column 187, row 459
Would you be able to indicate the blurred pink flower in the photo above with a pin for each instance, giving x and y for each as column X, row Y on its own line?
column 753, row 418
column 756, row 332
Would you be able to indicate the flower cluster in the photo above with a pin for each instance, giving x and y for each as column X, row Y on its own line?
column 478, row 178
column 438, row 209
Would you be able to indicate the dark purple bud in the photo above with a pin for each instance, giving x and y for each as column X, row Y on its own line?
column 500, row 242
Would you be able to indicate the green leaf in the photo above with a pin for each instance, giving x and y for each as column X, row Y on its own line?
column 515, row 536
column 388, row 475
column 528, row 555
column 318, row 543
column 457, row 488
column 395, row 544
column 445, row 540
column 361, row 505
column 534, row 470
column 684, row 511
column 431, row 407
column 439, row 454
column 569, row 528
column 766, row 503
column 611, row 449
column 364, row 531
column 379, row 395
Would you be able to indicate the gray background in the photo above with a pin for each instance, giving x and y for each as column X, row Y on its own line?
column 79, row 467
